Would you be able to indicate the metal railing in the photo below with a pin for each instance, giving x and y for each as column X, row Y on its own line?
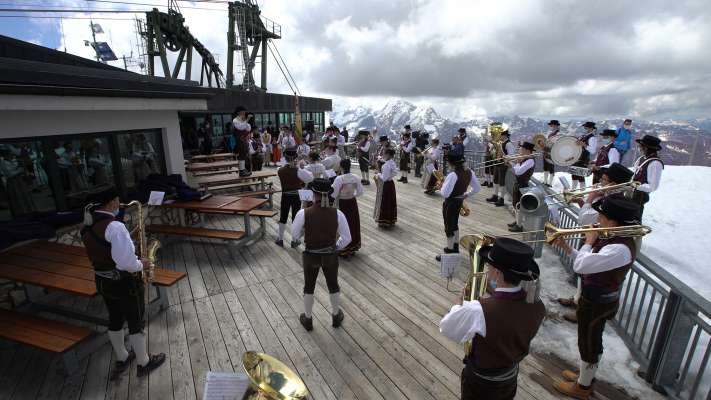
column 665, row 324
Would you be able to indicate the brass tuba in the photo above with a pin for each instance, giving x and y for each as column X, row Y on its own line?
column 439, row 176
column 495, row 129
column 271, row 379
column 477, row 280
column 146, row 250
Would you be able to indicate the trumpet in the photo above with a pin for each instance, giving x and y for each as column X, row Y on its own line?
column 553, row 233
column 505, row 159
column 570, row 195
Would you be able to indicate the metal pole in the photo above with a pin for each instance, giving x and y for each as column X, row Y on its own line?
column 93, row 36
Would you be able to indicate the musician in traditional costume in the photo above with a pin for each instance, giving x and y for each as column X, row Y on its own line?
column 385, row 211
column 302, row 151
column 383, row 146
column 291, row 179
column 615, row 174
column 406, row 146
column 463, row 137
column 256, row 152
column 266, row 139
column 287, row 140
column 363, row 152
column 242, row 130
column 421, row 141
column 314, row 165
column 341, row 139
column 325, row 231
column 331, row 160
column 119, row 281
column 548, row 166
column 523, row 171
column 500, row 171
column 431, row 156
column 457, row 187
column 606, row 155
column 603, row 265
column 488, row 160
column 276, row 148
column 589, row 144
column 346, row 187
column 502, row 326
column 648, row 169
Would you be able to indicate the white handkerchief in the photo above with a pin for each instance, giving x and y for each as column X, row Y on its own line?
column 306, row 195
column 225, row 386
column 156, row 198
column 449, row 264
column 330, row 173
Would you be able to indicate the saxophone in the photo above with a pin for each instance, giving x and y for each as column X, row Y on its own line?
column 477, row 280
column 146, row 250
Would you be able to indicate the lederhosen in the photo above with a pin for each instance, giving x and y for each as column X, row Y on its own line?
column 548, row 166
column 584, row 159
column 419, row 157
column 603, row 158
column 488, row 158
column 257, row 158
column 452, row 204
column 320, row 230
column 521, row 182
column 491, row 368
column 500, row 170
column 640, row 176
column 290, row 185
column 242, row 145
column 363, row 159
column 404, row 157
column 599, row 301
column 123, row 292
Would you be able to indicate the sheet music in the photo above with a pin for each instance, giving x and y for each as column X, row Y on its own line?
column 225, row 386
column 449, row 264
column 306, row 195
column 156, row 198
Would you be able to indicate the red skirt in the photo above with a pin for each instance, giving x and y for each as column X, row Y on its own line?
column 276, row 154
column 349, row 208
column 386, row 202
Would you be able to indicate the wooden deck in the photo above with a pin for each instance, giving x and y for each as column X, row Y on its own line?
column 389, row 346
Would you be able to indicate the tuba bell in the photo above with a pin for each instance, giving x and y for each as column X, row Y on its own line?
column 270, row 379
column 477, row 280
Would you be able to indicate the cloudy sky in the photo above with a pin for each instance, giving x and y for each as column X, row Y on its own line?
column 546, row 58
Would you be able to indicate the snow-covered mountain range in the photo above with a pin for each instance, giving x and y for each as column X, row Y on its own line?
column 686, row 141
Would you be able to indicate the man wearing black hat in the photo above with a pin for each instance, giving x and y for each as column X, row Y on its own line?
column 256, row 152
column 119, row 280
column 648, row 169
column 455, row 192
column 607, row 154
column 589, row 144
column 431, row 157
column 615, row 174
column 291, row 179
column 523, row 171
column 421, row 141
column 549, row 167
column 502, row 326
column 500, row 172
column 383, row 146
column 603, row 265
column 364, row 144
column 463, row 137
column 242, row 129
column 406, row 146
column 325, row 231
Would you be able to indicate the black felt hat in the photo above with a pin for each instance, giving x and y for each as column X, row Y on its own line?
column 383, row 138
column 554, row 122
column 609, row 132
column 363, row 133
column 620, row 209
column 456, row 158
column 589, row 124
column 104, row 197
column 290, row 153
column 239, row 109
column 390, row 152
column 407, row 127
column 617, row 173
column 651, row 142
column 506, row 132
column 321, row 185
column 528, row 146
column 512, row 256
column 462, row 130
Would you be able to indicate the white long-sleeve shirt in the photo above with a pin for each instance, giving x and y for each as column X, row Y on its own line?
column 407, row 147
column 587, row 215
column 349, row 184
column 317, row 170
column 305, row 175
column 654, row 175
column 510, row 148
column 466, row 140
column 365, row 147
column 288, row 142
column 433, row 154
column 333, row 162
column 592, row 147
column 122, row 250
column 521, row 168
column 344, row 233
column 613, row 156
column 387, row 172
column 451, row 180
column 465, row 321
column 608, row 258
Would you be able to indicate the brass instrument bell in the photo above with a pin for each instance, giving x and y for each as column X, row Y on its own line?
column 271, row 379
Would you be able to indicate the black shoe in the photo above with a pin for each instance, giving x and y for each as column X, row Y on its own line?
column 245, row 173
column 400, row 179
column 516, row 228
column 307, row 323
column 429, row 192
column 418, row 175
column 438, row 257
column 511, row 225
column 500, row 202
column 337, row 319
column 493, row 199
column 447, row 250
column 121, row 366
column 366, row 183
column 456, row 247
column 279, row 242
column 295, row 244
column 404, row 180
column 154, row 361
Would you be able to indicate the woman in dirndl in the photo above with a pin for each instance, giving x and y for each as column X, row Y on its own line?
column 385, row 212
column 346, row 187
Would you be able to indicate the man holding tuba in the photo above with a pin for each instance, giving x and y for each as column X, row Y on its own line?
column 508, row 149
column 523, row 171
column 501, row 327
column 454, row 191
column 603, row 265
column 431, row 156
column 118, row 276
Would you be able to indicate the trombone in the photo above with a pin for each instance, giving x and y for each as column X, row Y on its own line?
column 553, row 233
column 505, row 159
column 570, row 195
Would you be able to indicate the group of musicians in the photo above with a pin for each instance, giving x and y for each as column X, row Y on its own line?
column 321, row 197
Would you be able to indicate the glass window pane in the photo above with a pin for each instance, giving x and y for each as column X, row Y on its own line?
column 217, row 125
column 25, row 186
column 84, row 167
column 141, row 155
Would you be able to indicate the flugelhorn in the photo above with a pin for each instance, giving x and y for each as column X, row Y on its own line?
column 570, row 195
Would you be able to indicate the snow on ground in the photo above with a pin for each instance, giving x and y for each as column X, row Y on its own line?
column 561, row 338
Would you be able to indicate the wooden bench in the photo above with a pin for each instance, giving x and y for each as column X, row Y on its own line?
column 264, row 213
column 51, row 336
column 217, row 172
column 196, row 232
column 252, row 193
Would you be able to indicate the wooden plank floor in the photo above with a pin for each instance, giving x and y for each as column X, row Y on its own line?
column 389, row 346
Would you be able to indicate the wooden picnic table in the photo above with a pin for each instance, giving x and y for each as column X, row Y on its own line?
column 215, row 157
column 224, row 179
column 206, row 166
column 66, row 269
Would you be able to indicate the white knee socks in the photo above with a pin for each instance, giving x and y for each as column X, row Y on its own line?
column 587, row 373
column 308, row 304
column 496, row 189
column 579, row 292
column 116, row 338
column 450, row 242
column 138, row 342
column 456, row 238
column 282, row 228
column 404, row 174
column 546, row 177
column 241, row 165
column 335, row 302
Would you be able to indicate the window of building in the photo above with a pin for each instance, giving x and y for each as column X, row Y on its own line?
column 141, row 154
column 24, row 186
column 217, row 125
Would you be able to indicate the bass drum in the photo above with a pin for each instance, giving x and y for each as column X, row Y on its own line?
column 565, row 151
column 510, row 181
